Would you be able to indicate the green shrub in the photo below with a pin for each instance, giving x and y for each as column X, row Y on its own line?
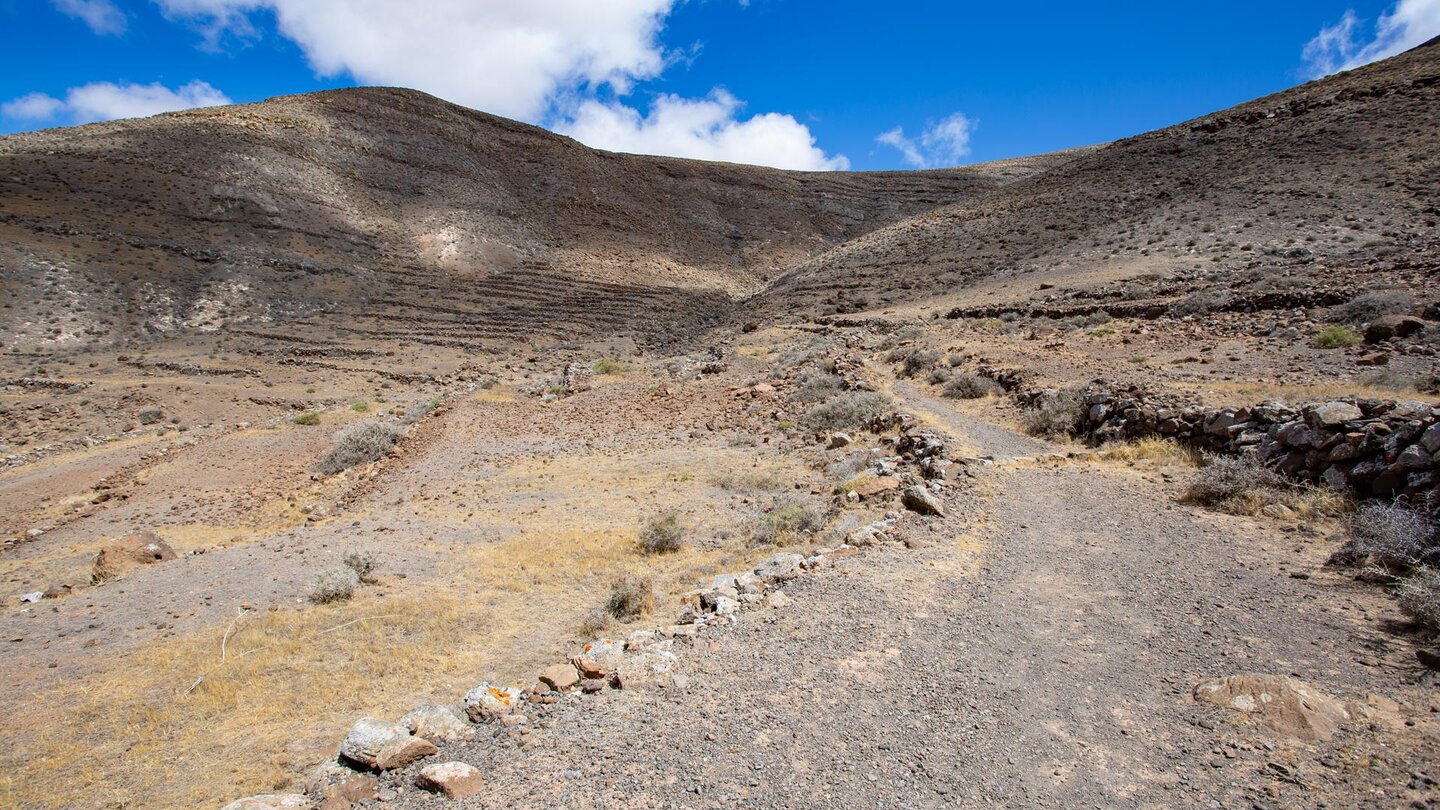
column 1335, row 336
column 608, row 365
column 359, row 407
column 918, row 360
column 308, row 418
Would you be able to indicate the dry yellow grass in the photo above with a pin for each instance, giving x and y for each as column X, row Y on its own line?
column 1220, row 394
column 293, row 680
column 1306, row 503
column 1154, row 450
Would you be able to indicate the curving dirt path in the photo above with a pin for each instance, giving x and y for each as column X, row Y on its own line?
column 1037, row 649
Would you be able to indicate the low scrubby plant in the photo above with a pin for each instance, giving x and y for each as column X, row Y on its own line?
column 1224, row 477
column 1372, row 306
column 815, row 385
column 1390, row 538
column 360, row 444
column 335, row 585
column 1055, row 415
column 307, row 418
column 784, row 524
column 918, row 360
column 940, row 375
column 149, row 416
column 363, row 563
column 1419, row 597
column 630, row 597
column 662, row 534
column 851, row 409
column 416, row 411
column 607, row 365
column 1202, row 302
column 359, row 407
column 1335, row 336
column 968, row 386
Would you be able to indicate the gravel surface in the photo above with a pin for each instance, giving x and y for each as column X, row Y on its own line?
column 1037, row 648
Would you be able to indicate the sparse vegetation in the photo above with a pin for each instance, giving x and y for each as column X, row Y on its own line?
column 307, row 418
column 784, row 524
column 851, row 409
column 335, row 585
column 1419, row 597
column 1335, row 336
column 969, row 386
column 360, row 444
column 1371, row 306
column 631, row 597
column 359, row 407
column 918, row 360
column 815, row 385
column 149, row 416
column 363, row 563
column 1202, row 302
column 607, row 365
column 1390, row 539
column 662, row 534
column 416, row 411
column 1054, row 415
column 1241, row 485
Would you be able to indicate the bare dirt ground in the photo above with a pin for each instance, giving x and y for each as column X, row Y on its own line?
column 1038, row 649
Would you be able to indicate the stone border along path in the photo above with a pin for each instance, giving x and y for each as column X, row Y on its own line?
column 643, row 658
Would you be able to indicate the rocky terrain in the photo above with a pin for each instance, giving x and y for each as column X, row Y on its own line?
column 359, row 450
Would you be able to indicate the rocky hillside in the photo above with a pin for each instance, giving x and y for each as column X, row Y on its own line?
column 452, row 224
column 1336, row 182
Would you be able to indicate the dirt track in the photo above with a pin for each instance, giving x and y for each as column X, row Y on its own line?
column 1038, row 649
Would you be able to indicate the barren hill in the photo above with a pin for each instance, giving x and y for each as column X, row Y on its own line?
column 455, row 224
column 1334, row 181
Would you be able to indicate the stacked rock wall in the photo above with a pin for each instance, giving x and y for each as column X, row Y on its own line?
column 1376, row 448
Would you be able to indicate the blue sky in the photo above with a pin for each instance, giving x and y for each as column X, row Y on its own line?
column 794, row 83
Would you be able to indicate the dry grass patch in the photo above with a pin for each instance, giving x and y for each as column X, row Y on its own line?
column 1151, row 449
column 1239, row 485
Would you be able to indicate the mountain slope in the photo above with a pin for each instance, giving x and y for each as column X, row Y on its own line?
column 381, row 200
column 1336, row 176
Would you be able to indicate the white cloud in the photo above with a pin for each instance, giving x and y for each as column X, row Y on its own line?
column 103, row 101
column 506, row 57
column 705, row 129
column 1342, row 46
column 944, row 143
column 103, row 16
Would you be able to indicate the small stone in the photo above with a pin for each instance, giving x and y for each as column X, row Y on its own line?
column 918, row 499
column 454, row 780
column 777, row 599
column 592, row 685
column 271, row 801
column 560, row 677
column 588, row 667
column 779, row 567
column 437, row 723
column 486, row 702
column 383, row 746
column 839, row 440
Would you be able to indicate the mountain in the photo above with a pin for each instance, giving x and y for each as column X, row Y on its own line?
column 1336, row 182
column 394, row 211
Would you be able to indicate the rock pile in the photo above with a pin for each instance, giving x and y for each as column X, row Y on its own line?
column 1375, row 448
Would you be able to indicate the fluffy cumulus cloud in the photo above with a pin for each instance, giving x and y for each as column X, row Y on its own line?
column 539, row 60
column 103, row 101
column 1348, row 44
column 943, row 143
column 506, row 57
column 708, row 129
column 103, row 16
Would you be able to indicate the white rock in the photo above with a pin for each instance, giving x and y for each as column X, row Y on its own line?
column 382, row 745
column 487, row 702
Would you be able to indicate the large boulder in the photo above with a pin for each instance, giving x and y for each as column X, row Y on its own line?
column 644, row 669
column 1291, row 707
column 128, row 553
column 382, row 745
column 1334, row 414
column 1391, row 327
